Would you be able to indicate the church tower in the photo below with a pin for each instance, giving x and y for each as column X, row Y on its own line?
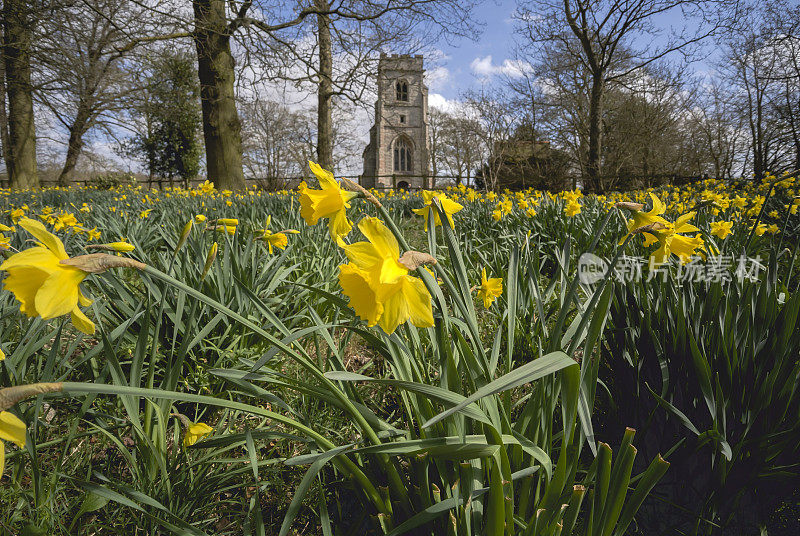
column 397, row 154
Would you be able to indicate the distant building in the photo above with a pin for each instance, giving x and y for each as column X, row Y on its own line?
column 397, row 154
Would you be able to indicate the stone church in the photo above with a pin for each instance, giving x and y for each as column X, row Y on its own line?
column 397, row 154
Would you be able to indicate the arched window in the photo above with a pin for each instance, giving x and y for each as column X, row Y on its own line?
column 402, row 155
column 401, row 88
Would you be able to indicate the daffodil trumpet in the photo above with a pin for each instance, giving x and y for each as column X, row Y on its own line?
column 378, row 284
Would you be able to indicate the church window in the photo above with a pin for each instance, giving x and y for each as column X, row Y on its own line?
column 402, row 155
column 401, row 88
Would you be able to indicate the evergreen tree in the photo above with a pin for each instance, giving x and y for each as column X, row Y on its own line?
column 170, row 111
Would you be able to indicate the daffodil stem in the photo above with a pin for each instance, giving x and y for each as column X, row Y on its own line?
column 562, row 315
column 758, row 218
column 305, row 363
column 342, row 461
column 596, row 296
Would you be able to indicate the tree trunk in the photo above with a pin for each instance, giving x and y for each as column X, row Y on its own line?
column 325, row 89
column 75, row 145
column 21, row 149
column 3, row 114
column 593, row 169
column 222, row 130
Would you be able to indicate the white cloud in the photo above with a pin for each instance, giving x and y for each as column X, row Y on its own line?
column 437, row 77
column 486, row 68
column 440, row 102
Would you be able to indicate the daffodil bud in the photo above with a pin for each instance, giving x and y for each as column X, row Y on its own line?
column 355, row 187
column 119, row 247
column 212, row 254
column 414, row 259
column 96, row 263
column 628, row 205
column 184, row 235
column 655, row 226
column 10, row 396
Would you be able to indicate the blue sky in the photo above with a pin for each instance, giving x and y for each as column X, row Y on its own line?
column 495, row 41
column 466, row 63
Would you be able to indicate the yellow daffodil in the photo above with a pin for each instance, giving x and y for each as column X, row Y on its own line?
column 572, row 196
column 43, row 286
column 378, row 284
column 640, row 218
column 490, row 289
column 773, row 228
column 572, row 209
column 278, row 240
column 5, row 242
column 330, row 202
column 6, row 229
column 199, row 218
column 2, row 354
column 206, row 188
column 721, row 229
column 497, row 214
column 92, row 234
column 761, row 228
column 64, row 220
column 18, row 213
column 11, row 429
column 671, row 242
column 145, row 213
column 449, row 207
column 195, row 432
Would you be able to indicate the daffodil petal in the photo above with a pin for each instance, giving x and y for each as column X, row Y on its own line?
column 59, row 293
column 24, row 283
column 12, row 428
column 48, row 239
column 381, row 237
column 82, row 322
column 363, row 300
column 37, row 256
column 419, row 302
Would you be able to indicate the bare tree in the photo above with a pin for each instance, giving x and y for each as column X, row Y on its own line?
column 462, row 153
column 601, row 37
column 274, row 139
column 492, row 109
column 717, row 126
column 338, row 53
column 83, row 66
